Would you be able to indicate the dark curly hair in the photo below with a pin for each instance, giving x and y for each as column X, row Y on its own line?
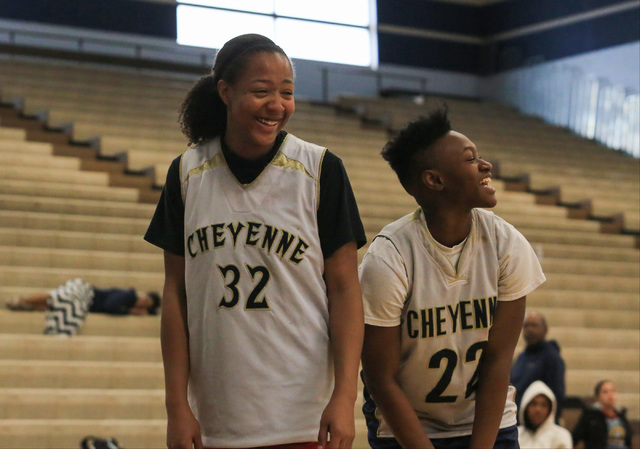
column 418, row 136
column 203, row 114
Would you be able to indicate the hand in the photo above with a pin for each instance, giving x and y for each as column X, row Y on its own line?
column 337, row 421
column 183, row 430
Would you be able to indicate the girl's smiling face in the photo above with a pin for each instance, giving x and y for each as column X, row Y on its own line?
column 259, row 104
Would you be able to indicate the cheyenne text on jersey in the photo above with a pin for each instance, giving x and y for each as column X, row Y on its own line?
column 442, row 320
column 254, row 234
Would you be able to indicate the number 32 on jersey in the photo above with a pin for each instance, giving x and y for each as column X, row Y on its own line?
column 232, row 276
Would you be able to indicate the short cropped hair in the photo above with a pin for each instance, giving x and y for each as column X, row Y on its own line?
column 401, row 152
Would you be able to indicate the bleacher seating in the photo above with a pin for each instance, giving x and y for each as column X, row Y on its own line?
column 59, row 220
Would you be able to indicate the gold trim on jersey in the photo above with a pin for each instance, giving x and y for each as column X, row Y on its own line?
column 212, row 163
column 283, row 161
column 324, row 152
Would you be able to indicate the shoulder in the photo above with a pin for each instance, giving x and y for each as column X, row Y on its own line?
column 552, row 346
column 502, row 228
column 562, row 438
column 296, row 153
column 201, row 156
column 403, row 227
column 293, row 143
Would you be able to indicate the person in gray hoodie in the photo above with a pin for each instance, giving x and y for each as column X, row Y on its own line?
column 537, row 427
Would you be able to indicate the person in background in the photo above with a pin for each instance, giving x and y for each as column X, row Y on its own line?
column 537, row 428
column 262, row 319
column 540, row 360
column 603, row 425
column 112, row 301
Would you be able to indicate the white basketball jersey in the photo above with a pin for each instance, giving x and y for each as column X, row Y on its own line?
column 445, row 311
column 261, row 369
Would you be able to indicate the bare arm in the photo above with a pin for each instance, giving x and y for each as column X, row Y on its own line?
column 346, row 329
column 183, row 430
column 493, row 371
column 380, row 361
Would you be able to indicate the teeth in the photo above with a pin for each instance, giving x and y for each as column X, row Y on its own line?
column 486, row 181
column 268, row 122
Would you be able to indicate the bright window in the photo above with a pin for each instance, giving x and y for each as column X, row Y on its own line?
column 350, row 12
column 338, row 31
column 324, row 42
column 207, row 27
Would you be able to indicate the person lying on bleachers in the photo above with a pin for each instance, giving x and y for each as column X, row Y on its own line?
column 113, row 301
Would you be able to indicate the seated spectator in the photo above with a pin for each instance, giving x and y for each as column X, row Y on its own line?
column 113, row 301
column 537, row 428
column 604, row 424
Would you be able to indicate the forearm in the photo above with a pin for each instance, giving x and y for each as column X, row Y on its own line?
column 175, row 354
column 399, row 415
column 494, row 370
column 490, row 401
column 346, row 329
column 346, row 319
column 174, row 334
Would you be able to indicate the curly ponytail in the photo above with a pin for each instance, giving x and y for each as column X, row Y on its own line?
column 203, row 115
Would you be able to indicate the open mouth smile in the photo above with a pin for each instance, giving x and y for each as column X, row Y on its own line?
column 268, row 122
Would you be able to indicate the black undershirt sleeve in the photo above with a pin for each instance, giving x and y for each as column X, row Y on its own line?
column 338, row 217
column 166, row 229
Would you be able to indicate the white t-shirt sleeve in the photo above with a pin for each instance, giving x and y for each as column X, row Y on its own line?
column 520, row 270
column 384, row 282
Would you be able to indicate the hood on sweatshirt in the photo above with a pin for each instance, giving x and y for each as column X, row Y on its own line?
column 536, row 388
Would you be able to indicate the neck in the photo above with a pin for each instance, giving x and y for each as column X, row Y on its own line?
column 449, row 228
column 609, row 410
column 244, row 149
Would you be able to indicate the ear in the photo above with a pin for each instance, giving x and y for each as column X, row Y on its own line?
column 432, row 179
column 223, row 91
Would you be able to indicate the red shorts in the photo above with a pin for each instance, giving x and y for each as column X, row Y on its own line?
column 308, row 445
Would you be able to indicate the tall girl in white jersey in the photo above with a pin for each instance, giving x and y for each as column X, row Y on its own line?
column 262, row 319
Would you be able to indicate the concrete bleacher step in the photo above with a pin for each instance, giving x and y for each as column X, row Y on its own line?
column 46, row 258
column 82, row 347
column 83, row 131
column 13, row 134
column 67, row 222
column 96, row 324
column 624, row 359
column 610, row 241
column 94, row 241
column 75, row 206
column 27, row 160
column 68, row 433
column 583, row 300
column 595, row 338
column 8, row 145
column 590, row 318
column 76, row 403
column 591, row 267
column 562, row 281
column 71, row 191
column 590, row 252
column 60, row 176
column 46, row 277
column 79, row 374
column 14, row 93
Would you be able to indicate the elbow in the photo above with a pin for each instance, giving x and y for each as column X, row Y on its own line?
column 377, row 385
